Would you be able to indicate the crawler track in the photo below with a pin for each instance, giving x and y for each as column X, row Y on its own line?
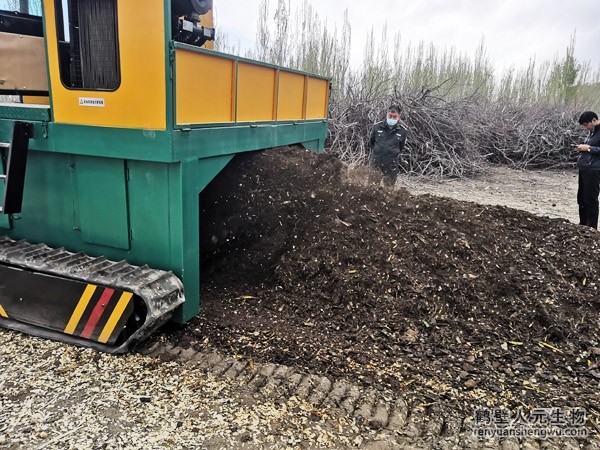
column 78, row 299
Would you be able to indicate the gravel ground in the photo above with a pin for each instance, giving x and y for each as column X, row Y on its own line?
column 72, row 398
column 544, row 193
column 60, row 397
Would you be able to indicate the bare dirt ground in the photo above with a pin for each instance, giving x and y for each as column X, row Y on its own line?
column 550, row 194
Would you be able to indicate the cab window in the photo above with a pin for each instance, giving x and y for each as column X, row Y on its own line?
column 88, row 44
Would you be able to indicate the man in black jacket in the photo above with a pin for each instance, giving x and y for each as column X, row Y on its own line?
column 386, row 143
column 589, row 171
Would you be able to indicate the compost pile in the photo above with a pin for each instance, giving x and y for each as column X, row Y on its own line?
column 306, row 263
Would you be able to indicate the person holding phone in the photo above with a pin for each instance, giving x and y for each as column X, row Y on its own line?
column 589, row 170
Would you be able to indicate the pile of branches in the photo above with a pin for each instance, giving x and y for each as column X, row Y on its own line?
column 530, row 137
column 459, row 138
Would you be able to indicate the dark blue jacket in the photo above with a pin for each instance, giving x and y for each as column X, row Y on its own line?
column 387, row 142
column 591, row 160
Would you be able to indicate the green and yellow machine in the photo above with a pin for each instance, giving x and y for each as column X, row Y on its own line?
column 126, row 115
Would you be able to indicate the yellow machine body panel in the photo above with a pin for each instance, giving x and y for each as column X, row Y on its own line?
column 255, row 93
column 140, row 99
column 316, row 98
column 213, row 87
column 208, row 99
column 290, row 96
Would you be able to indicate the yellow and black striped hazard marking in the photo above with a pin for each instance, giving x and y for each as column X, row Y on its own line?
column 100, row 314
column 76, row 308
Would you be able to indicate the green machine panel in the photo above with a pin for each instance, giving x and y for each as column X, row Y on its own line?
column 101, row 212
column 148, row 192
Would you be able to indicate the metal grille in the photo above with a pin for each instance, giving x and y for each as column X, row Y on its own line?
column 75, row 66
column 94, row 54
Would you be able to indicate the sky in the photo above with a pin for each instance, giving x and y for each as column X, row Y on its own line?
column 514, row 31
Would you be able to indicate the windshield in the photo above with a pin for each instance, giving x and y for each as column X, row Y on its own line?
column 33, row 7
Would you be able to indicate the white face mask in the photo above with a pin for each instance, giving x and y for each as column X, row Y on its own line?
column 392, row 122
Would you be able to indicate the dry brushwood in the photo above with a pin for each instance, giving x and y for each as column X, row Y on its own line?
column 456, row 138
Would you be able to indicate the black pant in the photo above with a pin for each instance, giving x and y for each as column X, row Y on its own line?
column 387, row 165
column 587, row 197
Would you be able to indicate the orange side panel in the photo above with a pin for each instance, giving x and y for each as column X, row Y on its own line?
column 204, row 88
column 290, row 98
column 255, row 93
column 317, row 98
